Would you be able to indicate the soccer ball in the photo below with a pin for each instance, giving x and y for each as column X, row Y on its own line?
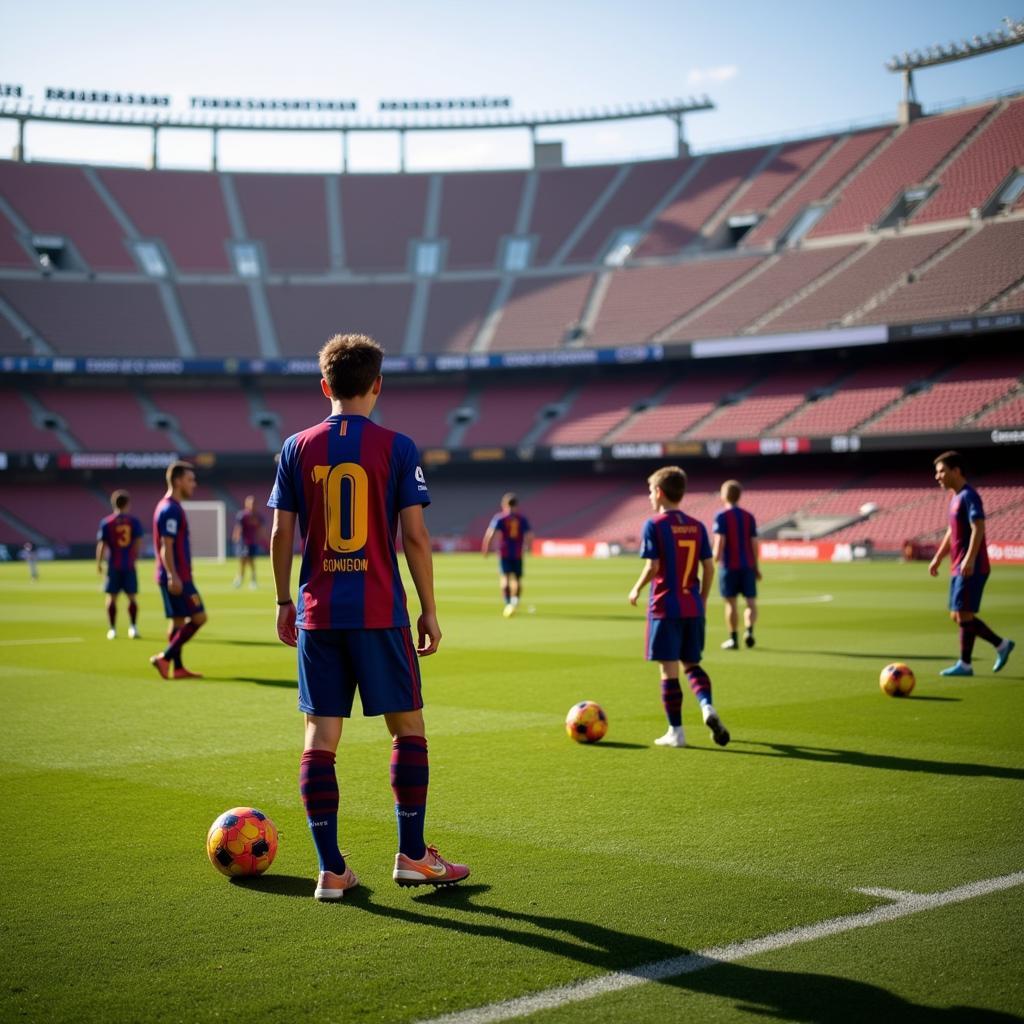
column 242, row 841
column 896, row 680
column 586, row 722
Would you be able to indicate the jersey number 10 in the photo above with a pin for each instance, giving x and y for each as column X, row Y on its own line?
column 337, row 498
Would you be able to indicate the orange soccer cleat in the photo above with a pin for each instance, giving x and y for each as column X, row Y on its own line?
column 162, row 665
column 331, row 886
column 183, row 673
column 430, row 869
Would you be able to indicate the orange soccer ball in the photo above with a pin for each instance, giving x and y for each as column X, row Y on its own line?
column 242, row 841
column 896, row 680
column 586, row 722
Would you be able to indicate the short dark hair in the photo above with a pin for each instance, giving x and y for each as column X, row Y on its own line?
column 671, row 480
column 951, row 459
column 120, row 499
column 350, row 363
column 509, row 499
column 176, row 470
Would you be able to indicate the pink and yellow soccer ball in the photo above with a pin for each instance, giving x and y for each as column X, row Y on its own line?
column 896, row 680
column 586, row 722
column 241, row 842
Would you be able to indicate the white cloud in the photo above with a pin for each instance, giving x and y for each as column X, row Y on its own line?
column 701, row 76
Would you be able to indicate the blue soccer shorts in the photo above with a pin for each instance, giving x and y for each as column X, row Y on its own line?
column 737, row 581
column 512, row 566
column 183, row 605
column 380, row 663
column 965, row 592
column 675, row 639
column 121, row 579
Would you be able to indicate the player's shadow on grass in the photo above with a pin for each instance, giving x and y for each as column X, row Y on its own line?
column 784, row 995
column 277, row 885
column 887, row 762
column 614, row 745
column 289, row 683
column 874, row 656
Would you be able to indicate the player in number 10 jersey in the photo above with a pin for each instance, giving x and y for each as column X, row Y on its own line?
column 349, row 482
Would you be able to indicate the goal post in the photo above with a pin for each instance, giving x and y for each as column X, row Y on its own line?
column 207, row 528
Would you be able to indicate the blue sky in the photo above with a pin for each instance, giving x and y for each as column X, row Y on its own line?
column 773, row 70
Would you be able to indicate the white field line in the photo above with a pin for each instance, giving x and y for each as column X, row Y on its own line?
column 885, row 894
column 692, row 962
column 815, row 599
column 42, row 640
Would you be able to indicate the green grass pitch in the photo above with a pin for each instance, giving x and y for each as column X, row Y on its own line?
column 585, row 860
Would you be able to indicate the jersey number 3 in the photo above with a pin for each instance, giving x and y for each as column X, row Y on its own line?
column 355, row 499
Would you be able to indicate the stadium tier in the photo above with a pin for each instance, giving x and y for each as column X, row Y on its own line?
column 541, row 312
column 908, row 159
column 564, row 197
column 598, row 408
column 785, row 169
column 507, row 414
column 380, row 214
column 219, row 319
column 101, row 419
column 183, row 209
column 455, row 314
column 477, row 210
column 208, row 417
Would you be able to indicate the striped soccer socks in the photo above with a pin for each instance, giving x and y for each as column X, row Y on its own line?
column 410, row 777
column 318, row 785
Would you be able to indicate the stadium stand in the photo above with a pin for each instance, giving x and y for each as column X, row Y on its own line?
column 374, row 242
column 287, row 213
column 1007, row 414
column 858, row 397
column 782, row 172
column 973, row 176
column 11, row 341
column 62, row 512
column 183, row 209
column 973, row 274
column 819, row 183
column 908, row 160
column 305, row 316
column 104, row 419
column 476, row 211
column 564, row 195
column 214, row 418
column 507, row 412
column 767, row 402
column 455, row 314
column 423, row 412
column 18, row 431
column 962, row 392
column 94, row 318
column 12, row 253
column 680, row 222
column 599, row 408
column 219, row 319
column 540, row 312
column 686, row 403
column 54, row 199
column 787, row 275
column 883, row 266
column 644, row 187
column 296, row 407
column 641, row 301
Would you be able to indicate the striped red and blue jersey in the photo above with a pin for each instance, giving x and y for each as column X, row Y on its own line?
column 965, row 508
column 678, row 543
column 169, row 520
column 119, row 531
column 249, row 524
column 511, row 528
column 738, row 528
column 347, row 479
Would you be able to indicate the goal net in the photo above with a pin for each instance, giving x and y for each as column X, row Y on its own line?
column 207, row 528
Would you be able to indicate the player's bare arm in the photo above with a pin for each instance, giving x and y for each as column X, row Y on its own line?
column 282, row 540
column 755, row 547
column 717, row 543
column 174, row 585
column 420, row 559
column 933, row 565
column 649, row 571
column 707, row 577
column 99, row 556
column 485, row 547
column 973, row 547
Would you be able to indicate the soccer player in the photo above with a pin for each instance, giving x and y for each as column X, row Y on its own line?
column 676, row 546
column 120, row 534
column 349, row 483
column 182, row 603
column 515, row 532
column 735, row 549
column 964, row 542
column 246, row 538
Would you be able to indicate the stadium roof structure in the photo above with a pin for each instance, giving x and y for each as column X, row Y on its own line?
column 215, row 121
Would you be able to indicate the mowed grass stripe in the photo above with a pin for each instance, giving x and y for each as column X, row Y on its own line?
column 673, row 968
